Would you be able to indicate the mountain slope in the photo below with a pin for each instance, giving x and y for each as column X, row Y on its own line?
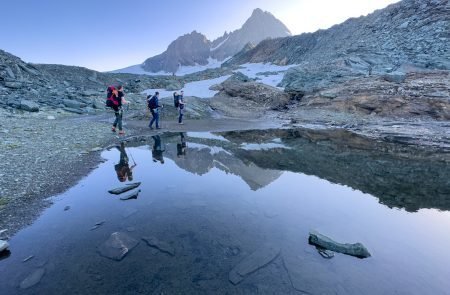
column 411, row 34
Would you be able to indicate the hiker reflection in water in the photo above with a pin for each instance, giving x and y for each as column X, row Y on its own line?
column 158, row 149
column 123, row 169
column 181, row 147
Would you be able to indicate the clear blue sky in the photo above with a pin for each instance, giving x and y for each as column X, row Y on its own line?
column 111, row 34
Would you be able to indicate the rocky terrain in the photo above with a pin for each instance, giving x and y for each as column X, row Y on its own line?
column 393, row 61
column 195, row 49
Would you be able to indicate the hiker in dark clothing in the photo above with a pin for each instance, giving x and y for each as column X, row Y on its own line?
column 181, row 147
column 123, row 169
column 154, row 107
column 181, row 107
column 157, row 150
column 119, row 97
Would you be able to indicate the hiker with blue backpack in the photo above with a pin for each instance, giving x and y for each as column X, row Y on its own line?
column 115, row 98
column 179, row 103
column 154, row 107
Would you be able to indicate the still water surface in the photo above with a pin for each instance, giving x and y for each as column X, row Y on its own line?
column 214, row 199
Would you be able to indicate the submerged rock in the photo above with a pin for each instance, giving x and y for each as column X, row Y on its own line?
column 160, row 245
column 117, row 246
column 3, row 245
column 357, row 249
column 131, row 196
column 33, row 279
column 121, row 190
column 253, row 262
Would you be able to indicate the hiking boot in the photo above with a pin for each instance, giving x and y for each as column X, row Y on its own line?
column 121, row 132
column 113, row 129
column 151, row 128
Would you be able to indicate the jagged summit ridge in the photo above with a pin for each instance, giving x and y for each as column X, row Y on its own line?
column 195, row 49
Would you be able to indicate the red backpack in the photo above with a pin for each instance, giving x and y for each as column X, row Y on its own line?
column 111, row 99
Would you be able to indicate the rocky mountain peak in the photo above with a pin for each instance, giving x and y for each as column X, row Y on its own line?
column 195, row 49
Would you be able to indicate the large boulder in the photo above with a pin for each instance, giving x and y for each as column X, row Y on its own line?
column 29, row 106
column 262, row 94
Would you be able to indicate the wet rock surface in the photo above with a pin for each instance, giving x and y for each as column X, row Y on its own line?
column 33, row 279
column 258, row 259
column 117, row 246
column 160, row 245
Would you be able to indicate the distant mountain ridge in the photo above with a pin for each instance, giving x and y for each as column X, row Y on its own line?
column 195, row 49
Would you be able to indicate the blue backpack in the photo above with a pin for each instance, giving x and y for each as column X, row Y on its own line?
column 152, row 103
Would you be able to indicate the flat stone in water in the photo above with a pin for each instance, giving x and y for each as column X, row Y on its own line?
column 117, row 246
column 121, row 190
column 160, row 245
column 258, row 259
column 34, row 278
column 357, row 249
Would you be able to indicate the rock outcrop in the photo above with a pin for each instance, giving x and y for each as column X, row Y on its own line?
column 240, row 86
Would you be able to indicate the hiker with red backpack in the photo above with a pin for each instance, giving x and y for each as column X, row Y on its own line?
column 115, row 99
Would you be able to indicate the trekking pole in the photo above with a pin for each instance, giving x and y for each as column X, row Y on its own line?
column 131, row 155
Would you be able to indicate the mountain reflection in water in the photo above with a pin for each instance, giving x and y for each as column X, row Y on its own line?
column 230, row 213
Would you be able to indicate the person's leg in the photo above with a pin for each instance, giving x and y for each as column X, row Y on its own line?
column 153, row 119
column 157, row 119
column 119, row 120
column 116, row 113
column 180, row 115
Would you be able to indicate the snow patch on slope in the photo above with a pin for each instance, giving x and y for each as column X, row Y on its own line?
column 220, row 44
column 273, row 79
column 183, row 70
column 197, row 88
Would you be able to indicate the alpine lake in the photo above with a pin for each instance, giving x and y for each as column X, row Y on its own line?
column 232, row 212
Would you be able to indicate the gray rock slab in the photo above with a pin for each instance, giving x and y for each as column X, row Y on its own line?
column 29, row 106
column 117, row 246
column 73, row 104
column 258, row 259
column 395, row 77
column 33, row 279
column 160, row 245
column 357, row 249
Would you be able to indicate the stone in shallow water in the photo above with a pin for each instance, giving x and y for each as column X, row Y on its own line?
column 3, row 245
column 160, row 245
column 34, row 278
column 120, row 190
column 117, row 246
column 357, row 249
column 258, row 259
